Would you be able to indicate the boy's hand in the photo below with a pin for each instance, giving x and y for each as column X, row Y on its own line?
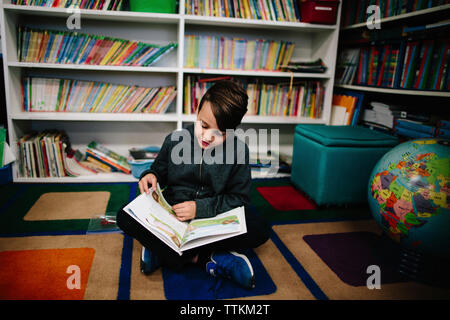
column 185, row 210
column 148, row 179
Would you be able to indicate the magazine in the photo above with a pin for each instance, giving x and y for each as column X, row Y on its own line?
column 156, row 215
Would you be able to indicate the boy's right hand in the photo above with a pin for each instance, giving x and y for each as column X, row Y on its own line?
column 148, row 179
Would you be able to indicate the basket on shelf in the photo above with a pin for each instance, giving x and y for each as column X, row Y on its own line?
column 166, row 6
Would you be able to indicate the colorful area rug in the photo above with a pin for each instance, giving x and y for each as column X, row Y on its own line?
column 49, row 250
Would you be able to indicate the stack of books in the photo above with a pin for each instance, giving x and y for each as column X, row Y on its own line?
column 114, row 5
column 303, row 99
column 379, row 115
column 236, row 53
column 317, row 66
column 346, row 108
column 49, row 155
column 273, row 10
column 414, row 129
column 67, row 95
column 346, row 66
column 443, row 129
column 354, row 12
column 397, row 119
column 107, row 157
column 52, row 46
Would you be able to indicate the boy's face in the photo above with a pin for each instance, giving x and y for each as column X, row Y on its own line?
column 206, row 129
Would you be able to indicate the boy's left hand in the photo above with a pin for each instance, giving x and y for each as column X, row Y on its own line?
column 185, row 210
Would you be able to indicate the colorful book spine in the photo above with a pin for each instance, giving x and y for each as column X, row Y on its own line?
column 50, row 46
column 416, row 64
column 43, row 155
column 108, row 157
column 304, row 99
column 271, row 10
column 67, row 95
column 236, row 53
column 113, row 5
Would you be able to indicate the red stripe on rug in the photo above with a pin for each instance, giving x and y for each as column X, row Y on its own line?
column 286, row 198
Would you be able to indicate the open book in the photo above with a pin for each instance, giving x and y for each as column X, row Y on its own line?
column 156, row 215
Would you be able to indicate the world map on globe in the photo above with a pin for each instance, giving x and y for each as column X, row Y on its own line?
column 413, row 188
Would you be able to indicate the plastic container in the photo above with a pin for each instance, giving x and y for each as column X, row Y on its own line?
column 319, row 11
column 139, row 166
column 5, row 174
column 165, row 6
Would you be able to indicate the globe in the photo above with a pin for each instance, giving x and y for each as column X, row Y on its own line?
column 409, row 195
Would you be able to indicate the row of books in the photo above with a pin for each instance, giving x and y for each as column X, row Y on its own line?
column 236, row 53
column 355, row 11
column 420, row 129
column 49, row 155
column 69, row 95
column 346, row 108
column 274, row 10
column 422, row 65
column 52, row 46
column 303, row 99
column 114, row 5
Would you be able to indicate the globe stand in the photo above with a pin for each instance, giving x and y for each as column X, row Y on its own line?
column 424, row 268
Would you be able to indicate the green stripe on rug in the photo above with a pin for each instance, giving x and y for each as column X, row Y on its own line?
column 12, row 222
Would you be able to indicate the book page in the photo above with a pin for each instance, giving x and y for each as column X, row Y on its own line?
column 232, row 221
column 153, row 211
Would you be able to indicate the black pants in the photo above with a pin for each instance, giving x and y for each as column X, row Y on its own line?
column 258, row 232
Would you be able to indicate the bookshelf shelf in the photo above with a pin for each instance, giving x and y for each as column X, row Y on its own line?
column 92, row 67
column 263, row 24
column 266, row 119
column 257, row 73
column 100, row 177
column 396, row 91
column 402, row 17
column 120, row 131
column 123, row 16
column 80, row 116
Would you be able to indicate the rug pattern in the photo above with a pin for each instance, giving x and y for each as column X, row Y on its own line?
column 313, row 253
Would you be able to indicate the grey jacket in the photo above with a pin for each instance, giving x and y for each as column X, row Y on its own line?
column 215, row 187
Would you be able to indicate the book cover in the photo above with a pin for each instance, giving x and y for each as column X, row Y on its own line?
column 154, row 213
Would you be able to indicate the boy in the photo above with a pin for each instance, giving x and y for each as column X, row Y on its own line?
column 197, row 189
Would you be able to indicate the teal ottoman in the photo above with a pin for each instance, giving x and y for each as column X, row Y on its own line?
column 332, row 164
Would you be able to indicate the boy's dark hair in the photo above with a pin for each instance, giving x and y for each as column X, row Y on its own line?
column 228, row 101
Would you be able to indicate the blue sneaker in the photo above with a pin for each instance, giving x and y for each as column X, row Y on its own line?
column 233, row 266
column 149, row 261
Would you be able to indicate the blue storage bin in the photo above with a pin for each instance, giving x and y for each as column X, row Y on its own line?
column 5, row 174
column 139, row 166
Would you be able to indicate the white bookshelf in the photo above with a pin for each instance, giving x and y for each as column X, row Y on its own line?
column 122, row 131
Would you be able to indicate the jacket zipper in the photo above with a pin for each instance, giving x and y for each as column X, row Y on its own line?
column 201, row 162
